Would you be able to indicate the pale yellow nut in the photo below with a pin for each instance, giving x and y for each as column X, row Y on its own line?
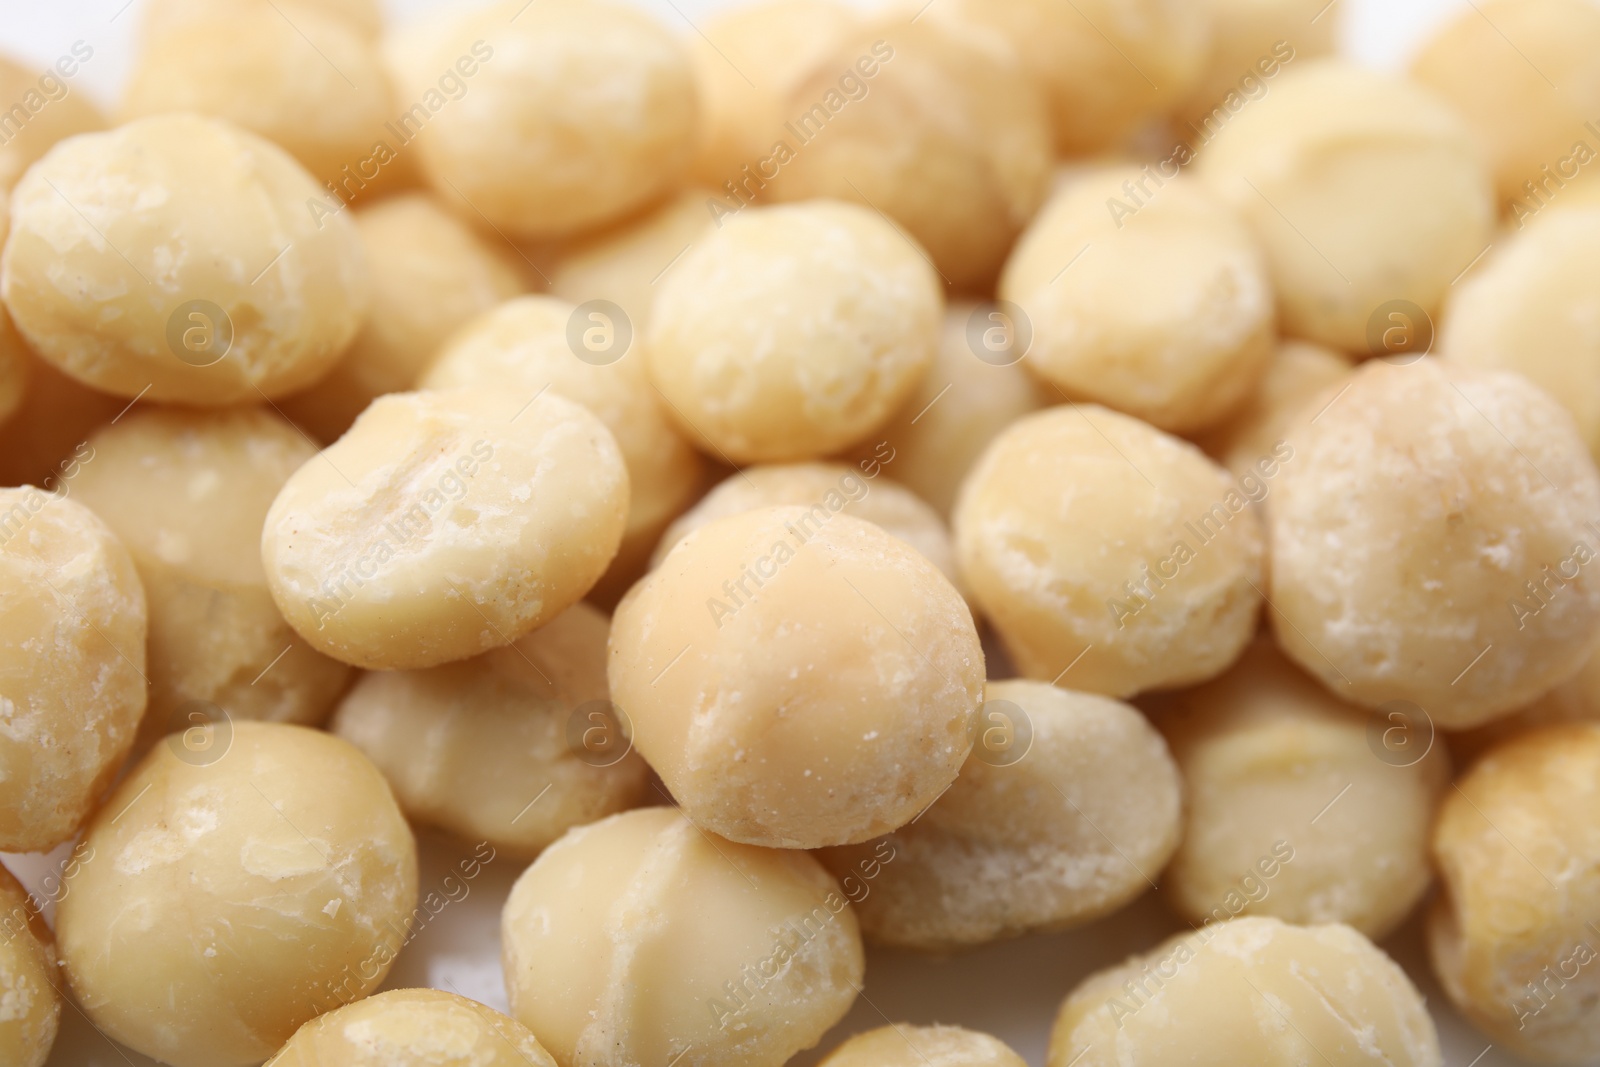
column 1252, row 41
column 904, row 118
column 43, row 107
column 1362, row 189
column 798, row 679
column 431, row 274
column 1108, row 556
column 364, row 16
column 1299, row 806
column 188, row 492
column 904, row 1045
column 1512, row 935
column 1262, row 432
column 640, row 939
column 1066, row 799
column 537, row 343
column 235, row 893
column 1434, row 541
column 413, row 1028
column 514, row 747
column 792, row 332
column 445, row 524
column 1169, row 316
column 29, row 979
column 1533, row 308
column 72, row 665
column 175, row 257
column 575, row 111
column 1249, row 991
column 823, row 489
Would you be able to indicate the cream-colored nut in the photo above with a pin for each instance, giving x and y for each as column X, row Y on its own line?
column 573, row 112
column 1431, row 542
column 1363, row 190
column 72, row 662
column 1279, row 409
column 44, row 107
column 413, row 1028
column 1513, row 934
column 624, row 264
column 431, row 274
column 229, row 898
column 1525, row 74
column 1300, row 807
column 792, row 332
column 307, row 81
column 537, row 343
column 1170, row 317
column 1251, row 41
column 28, row 979
column 1249, row 991
column 904, row 1045
column 365, row 16
column 174, row 257
column 187, row 492
column 747, row 60
column 945, row 138
column 445, row 524
column 1064, row 808
column 471, row 746
column 1108, row 555
column 798, row 680
column 823, row 489
column 1532, row 308
column 1107, row 66
column 635, row 939
column 974, row 389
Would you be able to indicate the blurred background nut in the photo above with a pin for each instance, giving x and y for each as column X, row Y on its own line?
column 1248, row 40
column 413, row 1028
column 52, row 108
column 91, row 276
column 1065, row 834
column 29, row 979
column 363, row 16
column 904, row 1045
column 1575, row 700
column 1278, row 409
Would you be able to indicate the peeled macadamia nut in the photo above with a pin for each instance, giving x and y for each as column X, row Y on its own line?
column 823, row 489
column 793, row 332
column 1292, row 812
column 445, row 524
column 1109, row 557
column 906, row 118
column 1263, row 431
column 569, row 113
column 187, row 492
column 503, row 748
column 1362, row 189
column 1513, row 934
column 1430, row 543
column 1067, row 805
column 1251, row 41
column 1170, row 317
column 538, row 343
column 72, row 665
column 431, row 274
column 1252, row 991
column 413, row 1028
column 53, row 108
column 904, row 1045
column 175, row 258
column 1534, row 307
column 31, row 1012
column 798, row 679
column 633, row 940
column 236, row 893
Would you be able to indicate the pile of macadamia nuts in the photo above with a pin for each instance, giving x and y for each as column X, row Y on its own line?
column 809, row 486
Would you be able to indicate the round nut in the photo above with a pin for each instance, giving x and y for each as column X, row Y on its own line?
column 28, row 976
column 904, row 1045
column 413, row 1028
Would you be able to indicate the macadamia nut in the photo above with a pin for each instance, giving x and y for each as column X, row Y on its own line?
column 445, row 524
column 1430, row 542
column 1170, row 317
column 175, row 258
column 793, row 332
column 798, row 680
column 1251, row 41
column 904, row 1045
column 72, row 665
column 234, row 895
column 1109, row 556
column 1067, row 805
column 52, row 110
column 1253, row 439
column 29, row 980
column 413, row 1028
column 637, row 938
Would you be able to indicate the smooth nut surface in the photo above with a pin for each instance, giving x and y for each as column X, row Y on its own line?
column 413, row 1028
column 904, row 1045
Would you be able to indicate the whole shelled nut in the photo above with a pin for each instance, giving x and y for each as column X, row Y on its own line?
column 413, row 1028
column 904, row 1045
column 29, row 979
